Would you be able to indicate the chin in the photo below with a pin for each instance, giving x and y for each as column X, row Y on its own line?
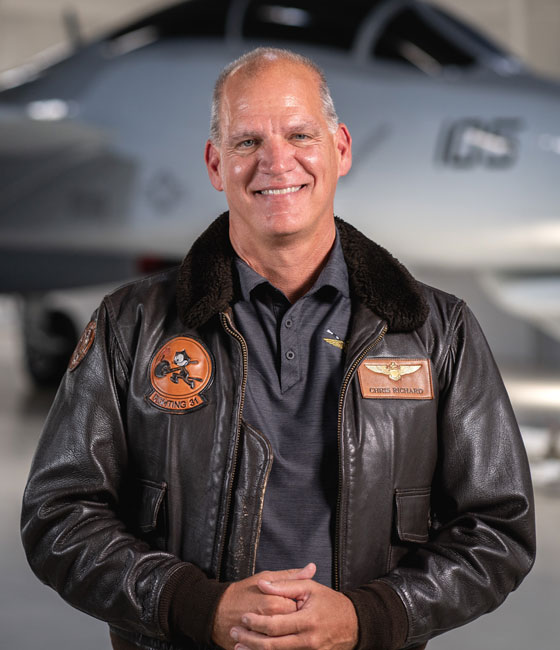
column 286, row 224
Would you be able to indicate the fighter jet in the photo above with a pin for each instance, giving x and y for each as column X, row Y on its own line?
column 456, row 157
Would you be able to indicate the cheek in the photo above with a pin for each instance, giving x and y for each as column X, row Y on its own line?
column 236, row 175
column 319, row 164
column 311, row 158
column 240, row 171
column 316, row 161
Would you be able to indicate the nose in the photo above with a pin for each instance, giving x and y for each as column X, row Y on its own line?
column 276, row 157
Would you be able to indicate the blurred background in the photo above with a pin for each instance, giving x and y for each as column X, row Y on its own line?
column 454, row 108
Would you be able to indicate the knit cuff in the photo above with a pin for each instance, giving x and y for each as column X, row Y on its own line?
column 188, row 604
column 382, row 619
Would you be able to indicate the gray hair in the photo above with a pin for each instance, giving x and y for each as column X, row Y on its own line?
column 257, row 59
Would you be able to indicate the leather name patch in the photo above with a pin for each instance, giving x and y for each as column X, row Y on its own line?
column 179, row 372
column 390, row 378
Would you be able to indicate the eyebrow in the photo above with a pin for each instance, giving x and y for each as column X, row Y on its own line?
column 304, row 126
column 242, row 135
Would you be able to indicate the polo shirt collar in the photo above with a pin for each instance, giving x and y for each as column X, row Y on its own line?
column 334, row 274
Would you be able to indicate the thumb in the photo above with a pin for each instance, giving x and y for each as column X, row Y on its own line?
column 306, row 573
column 295, row 589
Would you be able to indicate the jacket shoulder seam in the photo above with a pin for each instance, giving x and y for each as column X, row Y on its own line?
column 451, row 333
column 111, row 317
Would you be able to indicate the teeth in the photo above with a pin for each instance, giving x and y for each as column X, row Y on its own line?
column 286, row 190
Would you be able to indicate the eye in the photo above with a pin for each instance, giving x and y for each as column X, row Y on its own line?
column 247, row 144
column 300, row 136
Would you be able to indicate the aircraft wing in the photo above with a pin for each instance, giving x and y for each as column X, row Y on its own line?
column 36, row 152
column 35, row 156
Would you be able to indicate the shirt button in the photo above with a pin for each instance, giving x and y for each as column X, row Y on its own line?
column 289, row 322
column 290, row 355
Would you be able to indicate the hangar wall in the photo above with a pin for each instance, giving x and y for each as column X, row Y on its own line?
column 527, row 27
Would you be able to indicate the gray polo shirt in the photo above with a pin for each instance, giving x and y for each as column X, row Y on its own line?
column 296, row 361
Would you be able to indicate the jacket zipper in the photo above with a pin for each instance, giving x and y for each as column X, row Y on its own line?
column 228, row 326
column 261, row 506
column 345, row 383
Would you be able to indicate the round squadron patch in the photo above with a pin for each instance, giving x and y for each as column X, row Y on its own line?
column 180, row 370
column 84, row 344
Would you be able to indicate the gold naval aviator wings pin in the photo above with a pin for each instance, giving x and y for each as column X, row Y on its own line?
column 393, row 370
column 336, row 342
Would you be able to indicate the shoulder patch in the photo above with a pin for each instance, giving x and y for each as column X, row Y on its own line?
column 396, row 379
column 179, row 373
column 83, row 346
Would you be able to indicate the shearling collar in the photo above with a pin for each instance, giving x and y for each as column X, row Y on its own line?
column 206, row 282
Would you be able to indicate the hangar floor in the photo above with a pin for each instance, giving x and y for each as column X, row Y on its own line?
column 32, row 616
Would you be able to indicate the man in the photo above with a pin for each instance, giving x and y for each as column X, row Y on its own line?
column 290, row 402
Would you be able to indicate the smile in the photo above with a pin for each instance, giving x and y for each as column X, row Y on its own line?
column 284, row 190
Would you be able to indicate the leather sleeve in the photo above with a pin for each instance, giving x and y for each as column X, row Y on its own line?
column 482, row 540
column 72, row 534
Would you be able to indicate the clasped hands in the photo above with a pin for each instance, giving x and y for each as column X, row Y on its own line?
column 284, row 610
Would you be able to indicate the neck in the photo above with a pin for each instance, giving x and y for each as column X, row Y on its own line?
column 290, row 264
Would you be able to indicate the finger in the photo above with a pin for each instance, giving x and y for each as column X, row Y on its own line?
column 278, row 625
column 294, row 589
column 287, row 575
column 306, row 573
column 249, row 640
column 272, row 604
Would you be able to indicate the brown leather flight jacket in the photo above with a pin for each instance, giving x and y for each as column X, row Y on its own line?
column 128, row 485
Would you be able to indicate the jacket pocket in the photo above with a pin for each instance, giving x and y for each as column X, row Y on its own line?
column 151, row 520
column 413, row 514
column 411, row 523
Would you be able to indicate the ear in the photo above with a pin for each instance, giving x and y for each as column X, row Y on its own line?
column 344, row 148
column 212, row 160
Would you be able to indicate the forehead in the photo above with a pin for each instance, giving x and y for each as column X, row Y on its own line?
column 274, row 89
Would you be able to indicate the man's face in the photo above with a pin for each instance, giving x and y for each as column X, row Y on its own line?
column 277, row 161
